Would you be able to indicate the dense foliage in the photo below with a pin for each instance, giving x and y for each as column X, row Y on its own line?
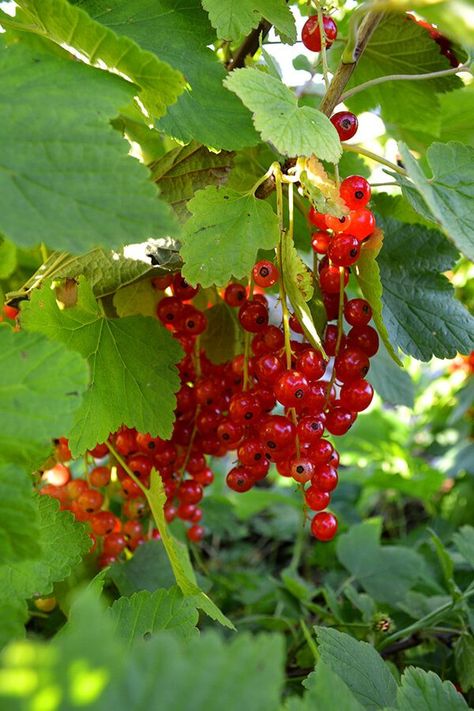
column 236, row 395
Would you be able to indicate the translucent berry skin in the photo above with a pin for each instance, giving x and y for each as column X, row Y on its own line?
column 330, row 340
column 362, row 223
column 357, row 312
column 90, row 501
column 114, row 544
column 251, row 452
column 265, row 273
column 339, row 420
column 253, row 316
column 239, row 479
column 329, row 279
column 355, row 191
column 310, row 429
column 277, row 432
column 195, row 533
column 244, row 408
column 169, row 310
column 345, row 123
column 338, row 224
column 103, row 523
column 268, row 368
column 291, row 388
column 295, row 325
column 311, row 36
column 364, row 337
column 344, row 250
column 317, row 500
column 351, row 364
column 321, row 451
column 311, row 364
column 235, row 294
column 317, row 218
column 181, row 289
column 325, row 478
column 99, row 476
column 320, row 242
column 357, row 395
column 301, row 469
column 190, row 492
column 324, row 526
column 191, row 321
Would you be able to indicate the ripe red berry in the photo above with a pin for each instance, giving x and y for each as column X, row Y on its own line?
column 10, row 312
column 161, row 283
column 244, row 408
column 316, row 500
column 239, row 479
column 181, row 289
column 235, row 294
column 205, row 476
column 325, row 478
column 344, row 250
column 357, row 312
column 362, row 223
column 114, row 544
column 364, row 337
column 253, row 316
column 268, row 368
column 191, row 321
column 195, row 533
column 339, row 420
column 329, row 279
column 90, row 501
column 345, row 123
column 312, row 364
column 321, row 451
column 310, row 429
column 351, row 364
column 126, row 442
column 277, row 432
column 301, row 469
column 295, row 325
column 338, row 224
column 324, row 526
column 265, row 273
column 311, row 35
column 104, row 522
column 190, row 492
column 99, row 476
column 355, row 191
column 357, row 395
column 132, row 528
column 169, row 310
column 291, row 388
column 318, row 219
column 320, row 242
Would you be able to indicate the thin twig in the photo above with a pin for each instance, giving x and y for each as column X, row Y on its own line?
column 249, row 46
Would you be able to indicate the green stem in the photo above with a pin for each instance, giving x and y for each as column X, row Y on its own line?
column 310, row 641
column 125, row 466
column 323, row 45
column 374, row 156
column 405, row 77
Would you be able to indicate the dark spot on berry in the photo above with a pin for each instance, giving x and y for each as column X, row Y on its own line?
column 358, row 194
column 300, row 469
column 346, row 123
column 248, row 415
column 264, row 271
column 315, row 426
column 353, row 252
column 151, row 445
column 299, row 394
column 225, row 436
column 365, row 370
column 261, row 319
column 257, row 457
column 271, row 444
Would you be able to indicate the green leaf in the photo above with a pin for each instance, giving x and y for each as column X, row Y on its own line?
column 387, row 573
column 464, row 661
column 400, row 46
column 452, row 19
column 233, row 21
column 186, row 169
column 19, row 520
column 205, row 111
column 393, row 384
column 421, row 314
column 8, row 260
column 148, row 569
column 132, row 362
column 464, row 542
column 136, row 299
column 178, row 555
column 368, row 275
column 222, row 338
column 229, row 228
column 160, row 84
column 145, row 613
column 321, row 685
column 359, row 666
column 445, row 561
column 84, row 191
column 293, row 130
column 13, row 617
column 421, row 690
column 449, row 192
column 297, row 280
column 41, row 384
column 62, row 541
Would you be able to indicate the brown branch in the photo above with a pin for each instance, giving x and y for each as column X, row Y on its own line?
column 250, row 45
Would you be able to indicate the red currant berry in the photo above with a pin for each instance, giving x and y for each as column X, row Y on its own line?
column 126, row 442
column 330, row 340
column 253, row 316
column 104, row 522
column 186, row 511
column 312, row 364
column 351, row 364
column 325, row 478
column 90, row 501
column 310, row 429
column 268, row 368
column 99, row 451
column 191, row 321
column 114, row 544
column 357, row 395
column 169, row 310
column 59, row 475
column 161, row 283
column 99, row 476
column 324, row 526
column 338, row 224
column 295, row 325
column 320, row 242
column 132, row 528
column 311, row 35
column 229, row 433
column 329, row 279
column 277, row 432
column 235, row 294
column 190, row 492
column 244, row 408
column 259, row 471
column 291, row 388
column 318, row 219
column 195, row 533
column 301, row 469
column 10, row 312
column 364, row 337
column 317, row 500
column 251, row 452
column 357, row 312
column 344, row 250
column 273, row 337
column 345, row 123
column 355, row 191
column 205, row 476
column 339, row 420
column 239, row 479
column 362, row 223
column 321, row 451
column 265, row 273
column 181, row 289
